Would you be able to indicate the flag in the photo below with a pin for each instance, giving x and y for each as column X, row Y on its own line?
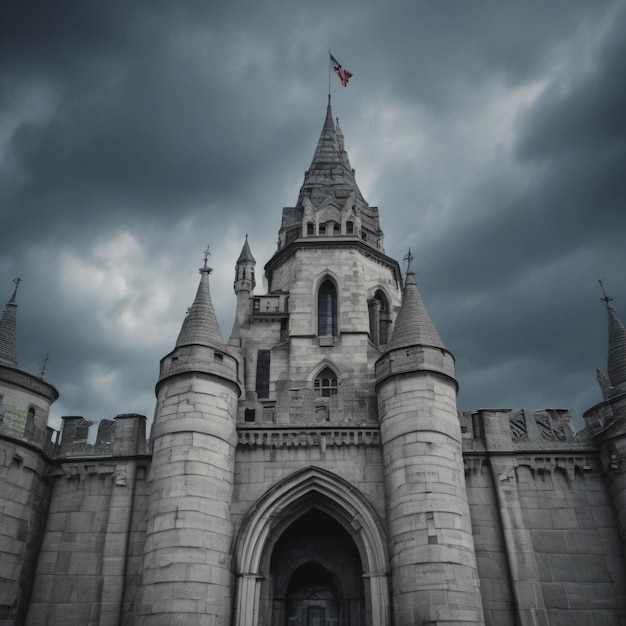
column 343, row 74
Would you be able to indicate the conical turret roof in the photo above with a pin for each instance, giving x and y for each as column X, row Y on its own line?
column 200, row 326
column 616, row 361
column 413, row 324
column 8, row 332
column 246, row 254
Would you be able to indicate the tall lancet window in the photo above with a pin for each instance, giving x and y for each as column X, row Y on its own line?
column 327, row 309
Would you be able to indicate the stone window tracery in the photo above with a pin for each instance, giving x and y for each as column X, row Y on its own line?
column 326, row 383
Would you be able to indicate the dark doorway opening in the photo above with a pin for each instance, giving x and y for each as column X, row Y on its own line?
column 316, row 575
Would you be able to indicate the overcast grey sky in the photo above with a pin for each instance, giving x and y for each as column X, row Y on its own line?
column 491, row 135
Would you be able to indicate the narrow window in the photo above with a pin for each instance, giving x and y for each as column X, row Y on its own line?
column 326, row 383
column 249, row 415
column 263, row 373
column 322, row 229
column 336, row 230
column 349, row 228
column 30, row 422
column 310, row 228
column 327, row 310
column 384, row 319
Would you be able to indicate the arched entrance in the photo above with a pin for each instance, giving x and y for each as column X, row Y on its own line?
column 312, row 551
column 316, row 575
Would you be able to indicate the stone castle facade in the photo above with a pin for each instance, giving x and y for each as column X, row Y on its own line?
column 313, row 469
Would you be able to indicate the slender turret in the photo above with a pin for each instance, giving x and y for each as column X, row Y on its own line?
column 431, row 548
column 25, row 401
column 607, row 420
column 187, row 574
column 244, row 285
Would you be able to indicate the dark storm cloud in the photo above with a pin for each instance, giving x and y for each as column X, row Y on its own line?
column 132, row 132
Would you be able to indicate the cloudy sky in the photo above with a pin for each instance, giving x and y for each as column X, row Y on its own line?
column 491, row 135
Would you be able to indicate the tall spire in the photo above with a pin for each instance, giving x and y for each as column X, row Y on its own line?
column 616, row 358
column 330, row 176
column 8, row 330
column 200, row 326
column 413, row 324
column 330, row 196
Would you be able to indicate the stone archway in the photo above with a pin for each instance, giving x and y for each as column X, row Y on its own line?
column 308, row 584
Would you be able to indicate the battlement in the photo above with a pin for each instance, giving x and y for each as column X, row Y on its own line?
column 123, row 436
column 505, row 430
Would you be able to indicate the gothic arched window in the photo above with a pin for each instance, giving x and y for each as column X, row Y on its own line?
column 327, row 309
column 349, row 228
column 310, row 228
column 326, row 383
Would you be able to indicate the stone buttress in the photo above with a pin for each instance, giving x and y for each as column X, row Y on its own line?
column 187, row 557
column 433, row 563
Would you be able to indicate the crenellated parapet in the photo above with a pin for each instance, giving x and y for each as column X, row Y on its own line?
column 522, row 430
column 123, row 436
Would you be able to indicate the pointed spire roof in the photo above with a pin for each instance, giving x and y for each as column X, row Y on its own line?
column 8, row 331
column 246, row 254
column 200, row 325
column 616, row 361
column 413, row 324
column 330, row 174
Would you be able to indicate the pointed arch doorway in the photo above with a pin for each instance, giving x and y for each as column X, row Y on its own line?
column 316, row 575
column 312, row 552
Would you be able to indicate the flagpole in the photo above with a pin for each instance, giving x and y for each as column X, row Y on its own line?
column 329, row 64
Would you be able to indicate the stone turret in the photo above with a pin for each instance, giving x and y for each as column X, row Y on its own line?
column 25, row 401
column 607, row 420
column 431, row 548
column 187, row 571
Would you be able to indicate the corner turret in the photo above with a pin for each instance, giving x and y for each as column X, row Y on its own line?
column 25, row 401
column 430, row 533
column 192, row 475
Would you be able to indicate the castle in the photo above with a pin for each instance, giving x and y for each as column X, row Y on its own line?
column 313, row 469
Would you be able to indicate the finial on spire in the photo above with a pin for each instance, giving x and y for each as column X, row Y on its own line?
column 408, row 257
column 17, row 282
column 606, row 299
column 205, row 269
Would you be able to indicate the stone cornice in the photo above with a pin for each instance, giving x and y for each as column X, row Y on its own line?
column 29, row 382
column 339, row 242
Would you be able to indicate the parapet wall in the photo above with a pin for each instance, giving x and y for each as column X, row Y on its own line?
column 123, row 436
column 521, row 430
column 545, row 531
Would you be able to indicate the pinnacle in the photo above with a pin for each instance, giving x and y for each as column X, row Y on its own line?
column 616, row 361
column 8, row 332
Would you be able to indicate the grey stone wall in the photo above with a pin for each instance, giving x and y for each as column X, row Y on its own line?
column 547, row 542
